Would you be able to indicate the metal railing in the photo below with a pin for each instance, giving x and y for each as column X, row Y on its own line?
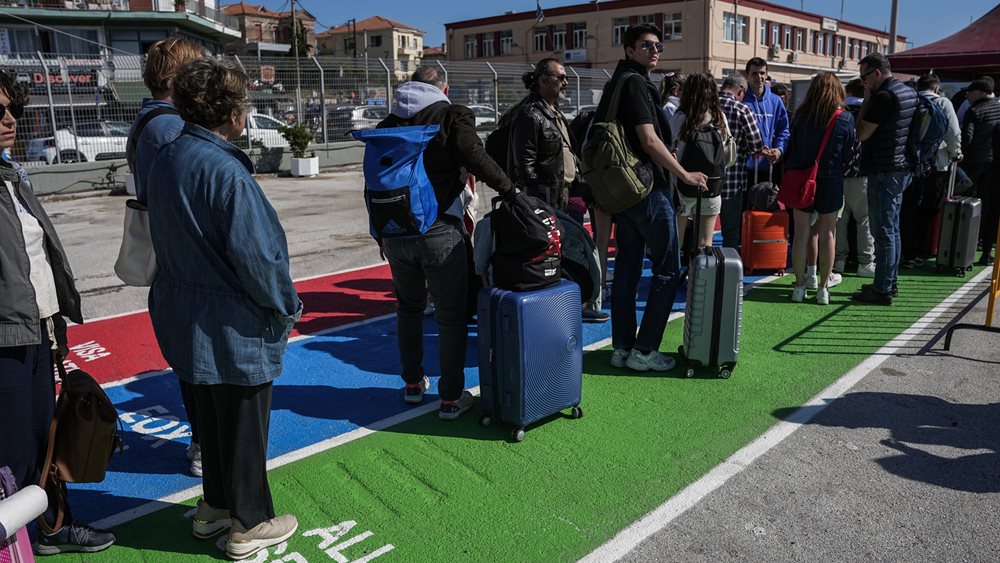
column 81, row 107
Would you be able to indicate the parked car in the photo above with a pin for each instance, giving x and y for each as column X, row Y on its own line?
column 340, row 121
column 86, row 142
column 486, row 116
column 264, row 129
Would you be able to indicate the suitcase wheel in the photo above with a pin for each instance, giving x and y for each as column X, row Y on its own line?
column 517, row 435
column 576, row 412
column 485, row 420
column 725, row 373
column 781, row 272
column 689, row 372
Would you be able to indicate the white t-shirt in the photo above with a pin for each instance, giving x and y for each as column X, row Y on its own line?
column 40, row 273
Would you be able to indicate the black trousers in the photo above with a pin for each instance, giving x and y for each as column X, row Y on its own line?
column 27, row 404
column 987, row 182
column 234, row 422
column 187, row 395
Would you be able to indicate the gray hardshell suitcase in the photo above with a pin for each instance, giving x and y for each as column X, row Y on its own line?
column 713, row 314
column 960, row 221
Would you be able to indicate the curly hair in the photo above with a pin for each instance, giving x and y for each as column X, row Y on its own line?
column 700, row 96
column 163, row 60
column 208, row 91
column 15, row 91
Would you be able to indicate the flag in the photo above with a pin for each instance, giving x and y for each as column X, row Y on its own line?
column 539, row 14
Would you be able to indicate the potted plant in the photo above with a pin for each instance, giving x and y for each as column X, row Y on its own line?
column 299, row 137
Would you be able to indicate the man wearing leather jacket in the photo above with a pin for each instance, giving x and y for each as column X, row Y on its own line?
column 542, row 152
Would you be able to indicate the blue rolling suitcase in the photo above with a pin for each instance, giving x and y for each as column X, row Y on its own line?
column 530, row 354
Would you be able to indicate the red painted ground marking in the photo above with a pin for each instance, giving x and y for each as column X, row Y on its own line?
column 122, row 347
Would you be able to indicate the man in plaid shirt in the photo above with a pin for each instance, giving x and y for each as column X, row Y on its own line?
column 743, row 126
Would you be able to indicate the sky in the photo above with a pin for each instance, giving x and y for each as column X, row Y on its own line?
column 921, row 21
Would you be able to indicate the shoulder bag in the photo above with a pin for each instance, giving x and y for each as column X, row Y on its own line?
column 798, row 187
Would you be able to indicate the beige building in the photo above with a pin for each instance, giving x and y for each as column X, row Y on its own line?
column 269, row 33
column 374, row 38
column 698, row 36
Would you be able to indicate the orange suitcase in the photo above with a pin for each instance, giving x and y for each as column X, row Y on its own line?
column 765, row 241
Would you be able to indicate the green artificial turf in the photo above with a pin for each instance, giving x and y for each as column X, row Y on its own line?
column 441, row 491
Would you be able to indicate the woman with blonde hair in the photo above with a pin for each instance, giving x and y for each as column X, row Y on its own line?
column 815, row 225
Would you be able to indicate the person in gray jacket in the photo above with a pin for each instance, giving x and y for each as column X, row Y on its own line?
column 36, row 293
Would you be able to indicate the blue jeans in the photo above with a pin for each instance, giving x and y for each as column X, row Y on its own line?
column 435, row 262
column 650, row 223
column 885, row 197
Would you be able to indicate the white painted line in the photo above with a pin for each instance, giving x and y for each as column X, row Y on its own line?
column 302, row 453
column 626, row 540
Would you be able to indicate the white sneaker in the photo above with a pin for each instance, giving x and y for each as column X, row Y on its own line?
column 209, row 521
column 651, row 361
column 194, row 455
column 618, row 358
column 429, row 309
column 812, row 282
column 834, row 280
column 452, row 410
column 823, row 296
column 243, row 543
column 866, row 270
column 799, row 293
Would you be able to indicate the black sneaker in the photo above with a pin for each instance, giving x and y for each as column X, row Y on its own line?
column 871, row 287
column 592, row 316
column 75, row 537
column 413, row 393
column 985, row 260
column 872, row 296
column 450, row 410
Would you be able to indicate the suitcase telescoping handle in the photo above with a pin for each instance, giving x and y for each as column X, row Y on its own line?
column 770, row 169
column 951, row 178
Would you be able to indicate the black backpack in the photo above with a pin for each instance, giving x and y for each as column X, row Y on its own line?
column 704, row 153
column 496, row 144
column 527, row 252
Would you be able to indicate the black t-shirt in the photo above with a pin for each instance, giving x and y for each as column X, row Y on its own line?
column 880, row 108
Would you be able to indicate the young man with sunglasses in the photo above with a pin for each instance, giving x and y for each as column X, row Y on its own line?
column 651, row 222
column 883, row 128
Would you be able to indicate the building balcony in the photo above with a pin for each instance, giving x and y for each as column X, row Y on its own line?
column 89, row 9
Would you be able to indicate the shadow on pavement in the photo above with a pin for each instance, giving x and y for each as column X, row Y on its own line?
column 940, row 443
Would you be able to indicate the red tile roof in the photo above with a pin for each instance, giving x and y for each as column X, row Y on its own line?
column 370, row 24
column 244, row 9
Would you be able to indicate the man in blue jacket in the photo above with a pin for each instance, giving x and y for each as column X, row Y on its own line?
column 772, row 121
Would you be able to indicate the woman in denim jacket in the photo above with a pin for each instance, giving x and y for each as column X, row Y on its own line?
column 222, row 303
column 824, row 97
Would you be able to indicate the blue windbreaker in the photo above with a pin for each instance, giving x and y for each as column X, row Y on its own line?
column 772, row 120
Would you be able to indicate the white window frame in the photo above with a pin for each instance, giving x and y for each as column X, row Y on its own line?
column 506, row 42
column 580, row 35
column 488, row 46
column 559, row 40
column 737, row 29
column 470, row 46
column 763, row 31
column 541, row 36
column 800, row 39
column 787, row 41
column 673, row 26
column 775, row 34
column 618, row 28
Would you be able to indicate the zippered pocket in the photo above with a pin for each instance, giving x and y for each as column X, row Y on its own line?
column 391, row 213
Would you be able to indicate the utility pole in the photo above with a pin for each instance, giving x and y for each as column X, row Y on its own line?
column 298, row 77
column 736, row 36
column 892, row 26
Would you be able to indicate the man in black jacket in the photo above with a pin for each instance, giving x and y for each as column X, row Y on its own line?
column 980, row 131
column 650, row 223
column 436, row 261
column 541, row 152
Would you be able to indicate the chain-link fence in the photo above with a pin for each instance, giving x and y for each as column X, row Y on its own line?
column 81, row 108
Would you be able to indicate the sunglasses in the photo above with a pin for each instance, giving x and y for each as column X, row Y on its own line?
column 650, row 45
column 15, row 110
column 865, row 75
column 560, row 77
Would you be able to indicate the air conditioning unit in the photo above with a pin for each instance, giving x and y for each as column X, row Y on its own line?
column 774, row 52
column 793, row 57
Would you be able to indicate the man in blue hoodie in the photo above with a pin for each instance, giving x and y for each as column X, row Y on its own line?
column 772, row 121
column 436, row 261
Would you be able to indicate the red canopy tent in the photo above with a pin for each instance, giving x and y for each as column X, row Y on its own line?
column 971, row 52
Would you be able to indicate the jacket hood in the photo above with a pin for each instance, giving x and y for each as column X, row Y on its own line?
column 411, row 97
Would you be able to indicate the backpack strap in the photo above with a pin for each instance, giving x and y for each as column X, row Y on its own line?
column 829, row 131
column 134, row 139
